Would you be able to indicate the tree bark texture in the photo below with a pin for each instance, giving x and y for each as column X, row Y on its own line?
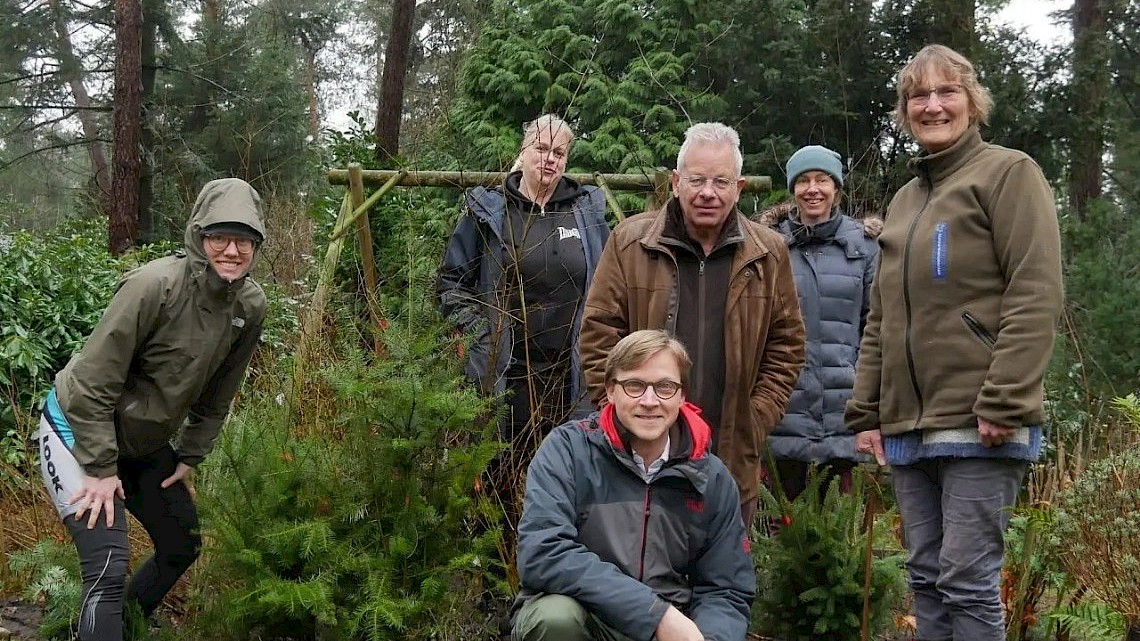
column 1089, row 89
column 123, row 223
column 397, row 56
column 71, row 69
column 311, row 88
column 146, row 232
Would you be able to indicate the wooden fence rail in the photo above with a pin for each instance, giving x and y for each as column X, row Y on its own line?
column 466, row 179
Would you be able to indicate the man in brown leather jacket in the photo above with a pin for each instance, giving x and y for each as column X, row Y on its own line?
column 720, row 283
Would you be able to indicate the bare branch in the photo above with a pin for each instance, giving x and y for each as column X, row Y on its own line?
column 29, row 76
column 50, row 121
column 197, row 77
column 66, row 107
column 58, row 145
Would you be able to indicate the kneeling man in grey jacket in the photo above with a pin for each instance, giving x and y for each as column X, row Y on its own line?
column 631, row 528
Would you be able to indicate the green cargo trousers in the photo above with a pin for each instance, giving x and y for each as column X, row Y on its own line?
column 553, row 617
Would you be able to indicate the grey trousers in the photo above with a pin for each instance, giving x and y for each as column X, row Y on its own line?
column 553, row 617
column 954, row 514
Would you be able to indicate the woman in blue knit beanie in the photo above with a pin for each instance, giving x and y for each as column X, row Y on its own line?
column 833, row 257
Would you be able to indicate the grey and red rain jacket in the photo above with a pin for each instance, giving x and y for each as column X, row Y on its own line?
column 594, row 530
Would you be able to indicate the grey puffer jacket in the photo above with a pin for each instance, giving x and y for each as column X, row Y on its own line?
column 834, row 264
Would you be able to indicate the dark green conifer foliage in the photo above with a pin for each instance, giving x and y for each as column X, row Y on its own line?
column 51, row 572
column 810, row 573
column 360, row 522
column 622, row 72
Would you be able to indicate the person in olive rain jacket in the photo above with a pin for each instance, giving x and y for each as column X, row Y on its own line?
column 142, row 404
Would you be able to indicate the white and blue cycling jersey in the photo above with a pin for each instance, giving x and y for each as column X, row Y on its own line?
column 62, row 474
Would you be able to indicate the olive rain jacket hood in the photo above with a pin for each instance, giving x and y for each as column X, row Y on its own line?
column 834, row 263
column 626, row 549
column 170, row 351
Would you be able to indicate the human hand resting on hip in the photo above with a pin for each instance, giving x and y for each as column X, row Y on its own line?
column 97, row 495
column 183, row 473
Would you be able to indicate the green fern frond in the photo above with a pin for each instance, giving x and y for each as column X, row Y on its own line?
column 1089, row 620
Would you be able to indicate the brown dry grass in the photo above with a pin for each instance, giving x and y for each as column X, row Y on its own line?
column 29, row 518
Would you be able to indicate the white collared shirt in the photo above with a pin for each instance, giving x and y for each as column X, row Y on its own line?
column 651, row 471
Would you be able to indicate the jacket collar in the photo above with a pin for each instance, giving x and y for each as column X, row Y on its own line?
column 850, row 234
column 937, row 166
column 675, row 234
column 217, row 292
column 490, row 205
column 564, row 192
column 750, row 249
column 693, row 434
column 688, row 456
column 797, row 233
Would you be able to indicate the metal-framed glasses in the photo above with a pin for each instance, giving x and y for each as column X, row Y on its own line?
column 219, row 242
column 945, row 93
column 635, row 388
column 719, row 183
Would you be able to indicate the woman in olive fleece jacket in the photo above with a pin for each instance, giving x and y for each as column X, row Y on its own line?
column 162, row 365
column 948, row 389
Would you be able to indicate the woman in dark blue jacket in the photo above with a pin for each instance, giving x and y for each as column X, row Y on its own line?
column 833, row 257
column 514, row 277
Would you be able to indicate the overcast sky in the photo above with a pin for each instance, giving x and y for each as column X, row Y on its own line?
column 1035, row 16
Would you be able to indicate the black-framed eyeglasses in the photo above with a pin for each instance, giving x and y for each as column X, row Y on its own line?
column 635, row 388
column 219, row 242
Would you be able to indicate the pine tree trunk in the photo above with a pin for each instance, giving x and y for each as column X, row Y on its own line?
column 146, row 232
column 397, row 56
column 123, row 224
column 204, row 92
column 311, row 89
column 1133, row 632
column 1089, row 86
column 71, row 70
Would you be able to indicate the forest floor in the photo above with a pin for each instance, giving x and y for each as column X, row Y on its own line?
column 19, row 621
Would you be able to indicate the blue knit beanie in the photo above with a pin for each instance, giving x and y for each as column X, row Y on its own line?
column 815, row 158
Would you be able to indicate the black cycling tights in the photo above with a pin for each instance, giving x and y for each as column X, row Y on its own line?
column 171, row 520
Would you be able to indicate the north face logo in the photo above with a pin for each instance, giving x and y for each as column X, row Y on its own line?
column 695, row 505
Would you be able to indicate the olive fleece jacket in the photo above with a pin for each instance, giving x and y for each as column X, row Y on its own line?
column 966, row 297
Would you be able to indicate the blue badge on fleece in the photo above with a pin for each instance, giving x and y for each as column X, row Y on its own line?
column 938, row 252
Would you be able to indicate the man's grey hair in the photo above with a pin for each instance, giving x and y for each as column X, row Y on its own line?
column 715, row 133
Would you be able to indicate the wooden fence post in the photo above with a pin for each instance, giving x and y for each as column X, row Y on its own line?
column 662, row 189
column 611, row 200
column 311, row 325
column 367, row 258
